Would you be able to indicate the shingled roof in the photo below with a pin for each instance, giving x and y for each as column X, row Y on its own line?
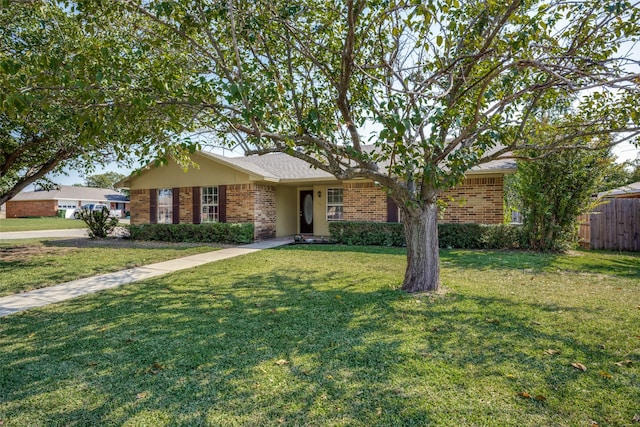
column 68, row 192
column 284, row 166
column 281, row 167
column 626, row 190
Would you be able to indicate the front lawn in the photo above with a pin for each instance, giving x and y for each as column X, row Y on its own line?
column 37, row 263
column 41, row 223
column 321, row 336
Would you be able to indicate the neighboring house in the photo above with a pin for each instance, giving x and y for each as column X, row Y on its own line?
column 629, row 191
column 48, row 202
column 282, row 195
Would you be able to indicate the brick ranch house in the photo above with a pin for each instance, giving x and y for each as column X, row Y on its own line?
column 282, row 195
column 48, row 202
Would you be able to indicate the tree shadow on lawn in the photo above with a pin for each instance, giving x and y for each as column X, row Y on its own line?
column 51, row 251
column 48, row 269
column 623, row 265
column 618, row 264
column 33, row 266
column 22, row 270
column 292, row 346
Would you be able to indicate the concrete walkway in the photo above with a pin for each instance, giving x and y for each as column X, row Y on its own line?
column 70, row 232
column 64, row 291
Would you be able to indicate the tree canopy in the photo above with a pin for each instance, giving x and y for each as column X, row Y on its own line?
column 408, row 94
column 634, row 175
column 73, row 94
column 104, row 180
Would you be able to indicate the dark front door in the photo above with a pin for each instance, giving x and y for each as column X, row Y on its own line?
column 306, row 212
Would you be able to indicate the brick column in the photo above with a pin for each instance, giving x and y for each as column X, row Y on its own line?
column 253, row 203
column 265, row 211
column 186, row 205
column 139, row 206
column 240, row 202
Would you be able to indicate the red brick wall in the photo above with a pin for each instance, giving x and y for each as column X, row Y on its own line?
column 139, row 206
column 24, row 208
column 186, row 205
column 364, row 201
column 240, row 202
column 476, row 200
column 245, row 203
column 254, row 203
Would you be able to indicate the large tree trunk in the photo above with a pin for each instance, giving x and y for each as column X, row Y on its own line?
column 423, row 258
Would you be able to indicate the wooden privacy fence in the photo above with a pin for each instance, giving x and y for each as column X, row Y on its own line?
column 614, row 225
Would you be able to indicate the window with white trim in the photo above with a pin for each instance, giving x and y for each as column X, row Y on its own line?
column 67, row 204
column 335, row 204
column 165, row 206
column 209, row 203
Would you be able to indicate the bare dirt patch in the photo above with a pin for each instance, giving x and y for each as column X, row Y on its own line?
column 121, row 243
column 24, row 252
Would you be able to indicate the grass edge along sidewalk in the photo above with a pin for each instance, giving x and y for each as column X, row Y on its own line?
column 29, row 264
column 64, row 291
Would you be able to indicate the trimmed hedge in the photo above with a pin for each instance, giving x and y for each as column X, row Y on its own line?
column 481, row 236
column 216, row 232
column 460, row 236
column 367, row 233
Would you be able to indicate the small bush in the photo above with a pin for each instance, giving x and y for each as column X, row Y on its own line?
column 217, row 232
column 99, row 222
column 481, row 236
column 504, row 236
column 459, row 236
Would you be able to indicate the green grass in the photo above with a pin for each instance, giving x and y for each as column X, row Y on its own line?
column 36, row 263
column 321, row 336
column 41, row 223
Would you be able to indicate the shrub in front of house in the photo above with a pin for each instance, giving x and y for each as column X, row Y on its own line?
column 216, row 232
column 459, row 236
column 99, row 223
column 367, row 233
column 504, row 236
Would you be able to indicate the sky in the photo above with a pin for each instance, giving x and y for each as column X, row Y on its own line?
column 76, row 177
column 626, row 151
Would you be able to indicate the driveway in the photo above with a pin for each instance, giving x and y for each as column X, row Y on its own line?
column 74, row 232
